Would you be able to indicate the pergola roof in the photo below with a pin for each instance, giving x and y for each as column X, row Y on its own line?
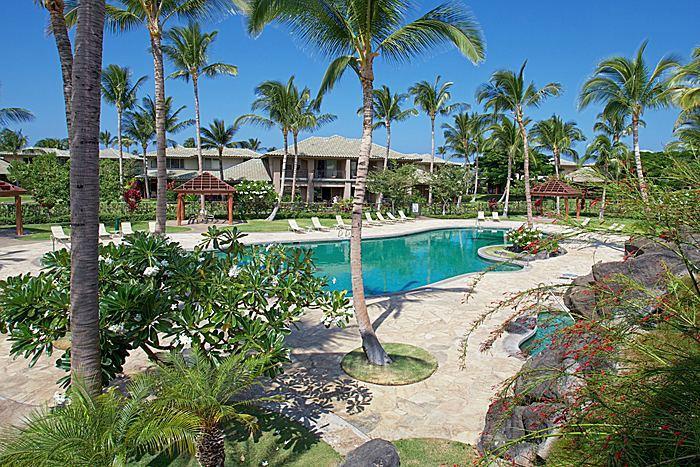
column 205, row 184
column 554, row 187
column 8, row 189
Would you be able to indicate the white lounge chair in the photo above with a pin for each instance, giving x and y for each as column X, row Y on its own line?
column 152, row 227
column 494, row 216
column 104, row 235
column 294, row 227
column 382, row 219
column 342, row 227
column 480, row 216
column 403, row 216
column 620, row 228
column 585, row 222
column 393, row 218
column 316, row 225
column 126, row 228
column 369, row 221
column 613, row 227
column 59, row 236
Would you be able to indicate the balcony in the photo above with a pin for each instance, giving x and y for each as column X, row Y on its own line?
column 301, row 173
column 330, row 173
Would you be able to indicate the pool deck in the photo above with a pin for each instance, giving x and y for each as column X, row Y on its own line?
column 451, row 404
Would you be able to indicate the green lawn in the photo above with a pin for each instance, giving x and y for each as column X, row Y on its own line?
column 11, row 199
column 434, row 452
column 43, row 231
column 279, row 225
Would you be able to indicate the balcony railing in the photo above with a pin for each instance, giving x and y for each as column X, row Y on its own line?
column 329, row 173
column 301, row 173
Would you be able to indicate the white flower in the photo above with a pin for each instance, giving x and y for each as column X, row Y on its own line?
column 106, row 260
column 59, row 398
column 185, row 340
column 234, row 271
column 116, row 328
column 164, row 263
column 174, row 306
column 150, row 271
column 264, row 463
column 333, row 280
column 137, row 317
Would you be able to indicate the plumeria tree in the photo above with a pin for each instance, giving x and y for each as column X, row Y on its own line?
column 355, row 33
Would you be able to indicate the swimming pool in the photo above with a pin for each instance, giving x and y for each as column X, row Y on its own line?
column 548, row 324
column 399, row 264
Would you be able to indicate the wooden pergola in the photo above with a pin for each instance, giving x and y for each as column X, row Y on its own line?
column 8, row 189
column 204, row 184
column 555, row 188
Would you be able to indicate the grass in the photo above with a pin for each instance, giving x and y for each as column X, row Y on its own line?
column 278, row 225
column 434, row 452
column 11, row 199
column 410, row 365
column 43, row 231
column 501, row 252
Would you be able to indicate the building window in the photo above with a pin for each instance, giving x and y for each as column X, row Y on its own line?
column 154, row 164
column 175, row 163
column 211, row 164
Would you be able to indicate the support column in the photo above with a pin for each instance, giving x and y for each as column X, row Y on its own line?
column 347, row 189
column 578, row 208
column 230, row 209
column 310, row 168
column 180, row 209
column 566, row 201
column 18, row 215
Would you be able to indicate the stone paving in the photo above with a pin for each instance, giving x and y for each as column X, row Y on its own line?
column 450, row 404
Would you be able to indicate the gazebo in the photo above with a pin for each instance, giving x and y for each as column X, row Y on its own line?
column 555, row 188
column 8, row 189
column 204, row 184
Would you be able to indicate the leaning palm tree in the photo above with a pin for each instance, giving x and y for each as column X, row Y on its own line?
column 118, row 91
column 354, row 33
column 139, row 127
column 508, row 91
column 125, row 15
column 627, row 86
column 188, row 48
column 433, row 99
column 280, row 102
column 219, row 136
column 558, row 137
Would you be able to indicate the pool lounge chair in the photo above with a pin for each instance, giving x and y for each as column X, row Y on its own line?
column 480, row 216
column 585, row 222
column 393, row 218
column 620, row 228
column 59, row 236
column 369, row 221
column 382, row 219
column 126, row 228
column 342, row 227
column 316, row 225
column 494, row 216
column 102, row 232
column 294, row 227
column 152, row 227
column 613, row 227
column 403, row 216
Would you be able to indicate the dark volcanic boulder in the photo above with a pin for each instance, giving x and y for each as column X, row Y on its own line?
column 374, row 453
column 522, row 324
column 580, row 298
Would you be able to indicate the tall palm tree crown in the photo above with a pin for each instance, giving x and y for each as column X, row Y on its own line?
column 629, row 87
column 118, row 90
column 467, row 137
column 558, row 137
column 107, row 139
column 219, row 136
column 353, row 34
column 508, row 91
column 140, row 127
column 387, row 109
column 505, row 139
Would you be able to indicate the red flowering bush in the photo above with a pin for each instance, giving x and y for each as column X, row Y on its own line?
column 132, row 197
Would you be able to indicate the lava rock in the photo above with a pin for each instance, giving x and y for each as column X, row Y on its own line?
column 522, row 325
column 374, row 453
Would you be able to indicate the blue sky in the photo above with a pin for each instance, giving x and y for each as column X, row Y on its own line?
column 562, row 41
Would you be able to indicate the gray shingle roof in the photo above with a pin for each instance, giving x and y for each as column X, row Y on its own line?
column 252, row 169
column 184, row 153
column 340, row 147
column 109, row 153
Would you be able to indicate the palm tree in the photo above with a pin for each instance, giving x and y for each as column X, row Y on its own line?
column 153, row 15
column 219, row 136
column 173, row 124
column 608, row 154
column 52, row 143
column 253, row 144
column 280, row 102
column 433, row 98
column 558, row 137
column 139, row 127
column 508, row 91
column 85, row 358
column 107, row 139
column 59, row 30
column 12, row 141
column 118, row 91
column 101, row 431
column 354, row 33
column 207, row 391
column 687, row 132
column 15, row 115
column 505, row 138
column 187, row 47
column 627, row 86
column 686, row 84
column 613, row 125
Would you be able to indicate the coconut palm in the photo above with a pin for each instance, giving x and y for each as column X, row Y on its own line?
column 609, row 158
column 613, row 125
column 139, row 127
column 219, row 136
column 15, row 115
column 627, row 86
column 173, row 124
column 253, row 144
column 505, row 139
column 687, row 133
column 508, row 91
column 354, row 33
column 188, row 47
column 118, row 90
column 52, row 143
column 280, row 102
column 153, row 15
column 686, row 84
column 12, row 141
column 433, row 99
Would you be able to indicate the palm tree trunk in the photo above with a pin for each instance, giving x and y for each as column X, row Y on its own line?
column 85, row 358
column 638, row 157
column 556, row 174
column 285, row 137
column 161, row 143
column 526, row 167
column 476, row 173
column 387, row 125
column 507, row 192
column 210, row 447
column 221, row 162
column 145, row 172
column 432, row 157
column 198, row 134
column 295, row 134
column 121, row 149
column 601, row 213
column 65, row 54
column 373, row 349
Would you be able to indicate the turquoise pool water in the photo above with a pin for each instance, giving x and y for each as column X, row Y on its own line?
column 398, row 264
column 548, row 324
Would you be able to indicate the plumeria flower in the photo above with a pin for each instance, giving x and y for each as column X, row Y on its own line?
column 234, row 271
column 333, row 280
column 59, row 398
column 185, row 340
column 150, row 271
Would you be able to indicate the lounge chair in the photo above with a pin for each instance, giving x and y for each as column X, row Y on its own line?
column 620, row 228
column 59, row 236
column 126, row 228
column 294, row 227
column 480, row 216
column 382, row 219
column 613, row 227
column 104, row 235
column 341, row 225
column 369, row 221
column 494, row 216
column 393, row 218
column 403, row 216
column 316, row 225
column 152, row 227
column 585, row 222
